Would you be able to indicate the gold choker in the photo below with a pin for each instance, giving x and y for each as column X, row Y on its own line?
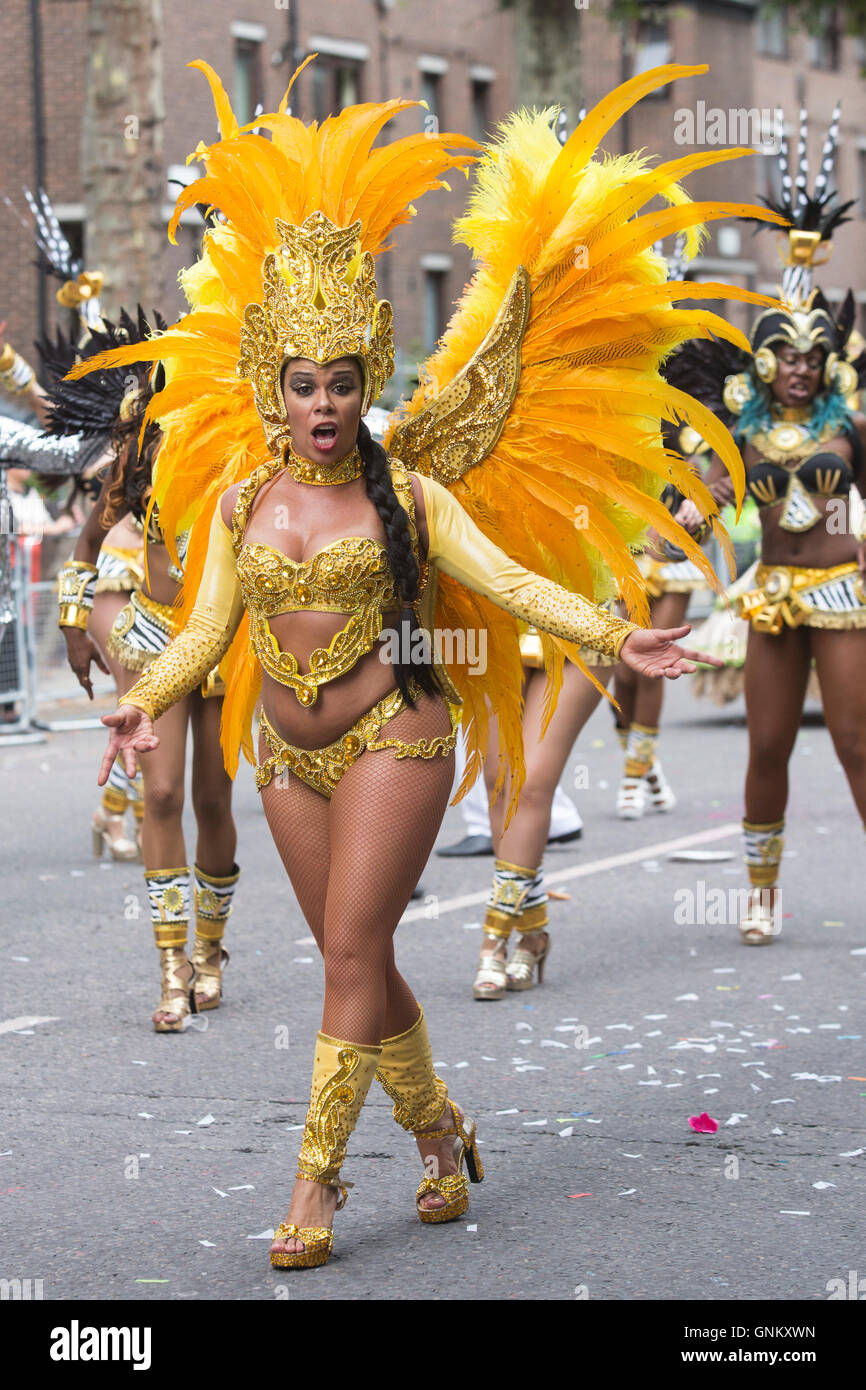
column 324, row 474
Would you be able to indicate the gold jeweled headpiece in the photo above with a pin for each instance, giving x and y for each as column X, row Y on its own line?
column 319, row 302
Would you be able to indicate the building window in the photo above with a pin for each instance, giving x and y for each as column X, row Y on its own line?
column 434, row 307
column 481, row 111
column 772, row 35
column 431, row 92
column 337, row 83
column 249, row 81
column 825, row 42
column 652, row 49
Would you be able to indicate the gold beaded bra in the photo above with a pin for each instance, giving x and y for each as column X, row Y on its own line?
column 349, row 575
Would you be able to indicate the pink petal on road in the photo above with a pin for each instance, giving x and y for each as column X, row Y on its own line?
column 703, row 1124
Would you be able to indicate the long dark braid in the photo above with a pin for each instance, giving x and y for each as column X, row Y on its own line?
column 401, row 558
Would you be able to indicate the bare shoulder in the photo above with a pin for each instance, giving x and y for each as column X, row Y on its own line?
column 228, row 501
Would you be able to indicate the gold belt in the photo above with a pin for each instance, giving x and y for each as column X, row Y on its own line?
column 778, row 599
column 322, row 768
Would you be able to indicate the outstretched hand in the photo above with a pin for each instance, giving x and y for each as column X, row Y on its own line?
column 130, row 732
column 654, row 652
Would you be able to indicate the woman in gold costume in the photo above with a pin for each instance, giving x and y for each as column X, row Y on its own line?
column 792, row 411
column 312, row 542
column 803, row 448
column 142, row 628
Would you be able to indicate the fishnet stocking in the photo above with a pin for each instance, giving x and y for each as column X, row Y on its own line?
column 354, row 861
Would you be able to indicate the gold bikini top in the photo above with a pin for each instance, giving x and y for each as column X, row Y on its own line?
column 349, row 575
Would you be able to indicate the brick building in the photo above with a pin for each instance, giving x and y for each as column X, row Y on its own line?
column 756, row 65
column 472, row 61
column 456, row 56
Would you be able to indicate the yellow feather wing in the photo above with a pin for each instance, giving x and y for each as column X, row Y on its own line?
column 571, row 481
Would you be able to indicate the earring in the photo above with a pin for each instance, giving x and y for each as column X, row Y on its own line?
column 841, row 374
column 766, row 365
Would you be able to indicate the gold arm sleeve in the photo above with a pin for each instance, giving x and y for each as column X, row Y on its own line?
column 458, row 548
column 204, row 641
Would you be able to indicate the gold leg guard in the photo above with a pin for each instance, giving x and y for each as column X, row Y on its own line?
column 640, row 750
column 406, row 1074
column 213, row 906
column 342, row 1075
column 168, row 891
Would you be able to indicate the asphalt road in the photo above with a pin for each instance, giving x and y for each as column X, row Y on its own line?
column 155, row 1167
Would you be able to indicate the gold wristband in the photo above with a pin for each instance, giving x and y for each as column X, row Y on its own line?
column 76, row 584
column 73, row 615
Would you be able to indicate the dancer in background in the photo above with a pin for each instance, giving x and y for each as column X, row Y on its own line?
column 143, row 628
column 792, row 404
column 518, row 901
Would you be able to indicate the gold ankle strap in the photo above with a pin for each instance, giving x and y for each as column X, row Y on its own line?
column 341, row 1187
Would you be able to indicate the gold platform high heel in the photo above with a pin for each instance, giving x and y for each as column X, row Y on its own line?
column 318, row 1240
column 420, row 1099
column 454, row 1187
column 342, row 1075
column 489, row 982
column 172, row 1002
column 520, row 970
column 110, row 817
column 213, row 906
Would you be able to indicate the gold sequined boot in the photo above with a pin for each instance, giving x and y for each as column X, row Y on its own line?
column 420, row 1099
column 168, row 891
column 213, row 905
column 763, row 846
column 342, row 1075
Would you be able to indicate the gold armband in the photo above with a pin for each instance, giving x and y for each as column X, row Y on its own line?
column 76, row 585
column 460, row 549
column 204, row 641
column 16, row 373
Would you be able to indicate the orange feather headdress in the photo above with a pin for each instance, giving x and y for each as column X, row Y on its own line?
column 286, row 270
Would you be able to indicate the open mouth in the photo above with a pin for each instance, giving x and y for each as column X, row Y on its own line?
column 325, row 436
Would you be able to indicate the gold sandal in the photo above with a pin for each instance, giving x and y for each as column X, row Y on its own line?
column 180, row 1007
column 759, row 925
column 490, row 977
column 318, row 1240
column 119, row 847
column 454, row 1187
column 208, row 977
column 521, row 968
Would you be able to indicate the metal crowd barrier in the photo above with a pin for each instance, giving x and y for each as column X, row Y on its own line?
column 33, row 669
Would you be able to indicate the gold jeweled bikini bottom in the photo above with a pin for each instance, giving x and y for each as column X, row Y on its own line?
column 795, row 596
column 322, row 768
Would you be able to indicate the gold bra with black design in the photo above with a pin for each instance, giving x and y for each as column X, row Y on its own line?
column 349, row 575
